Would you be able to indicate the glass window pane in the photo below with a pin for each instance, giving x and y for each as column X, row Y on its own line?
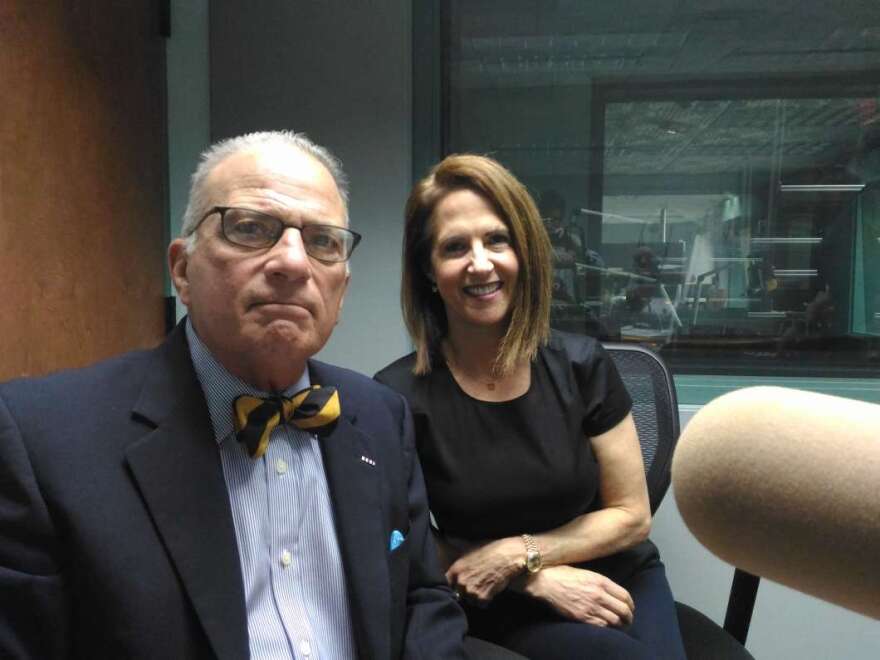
column 709, row 172
column 728, row 231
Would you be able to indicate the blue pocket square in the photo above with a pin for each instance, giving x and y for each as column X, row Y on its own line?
column 395, row 540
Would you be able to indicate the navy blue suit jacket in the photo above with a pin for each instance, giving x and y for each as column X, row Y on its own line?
column 116, row 536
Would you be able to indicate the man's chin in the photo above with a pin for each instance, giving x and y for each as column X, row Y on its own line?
column 285, row 338
column 286, row 332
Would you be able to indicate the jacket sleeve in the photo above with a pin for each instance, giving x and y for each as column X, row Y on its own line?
column 34, row 610
column 435, row 624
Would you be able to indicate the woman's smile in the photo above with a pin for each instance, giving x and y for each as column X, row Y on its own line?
column 483, row 290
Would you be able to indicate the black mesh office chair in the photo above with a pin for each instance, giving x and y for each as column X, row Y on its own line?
column 655, row 409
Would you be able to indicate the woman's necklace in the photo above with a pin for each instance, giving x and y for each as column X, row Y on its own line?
column 489, row 381
column 481, row 378
column 492, row 386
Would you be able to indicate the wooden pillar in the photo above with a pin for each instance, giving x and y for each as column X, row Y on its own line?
column 82, row 182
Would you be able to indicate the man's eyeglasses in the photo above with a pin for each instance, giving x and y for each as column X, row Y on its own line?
column 252, row 229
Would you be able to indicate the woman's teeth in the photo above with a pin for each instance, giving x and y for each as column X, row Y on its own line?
column 482, row 289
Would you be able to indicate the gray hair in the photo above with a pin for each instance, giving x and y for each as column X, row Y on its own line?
column 220, row 151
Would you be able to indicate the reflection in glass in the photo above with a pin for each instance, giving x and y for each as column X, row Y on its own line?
column 708, row 172
column 752, row 259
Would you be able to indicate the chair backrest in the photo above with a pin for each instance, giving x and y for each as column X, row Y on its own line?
column 655, row 410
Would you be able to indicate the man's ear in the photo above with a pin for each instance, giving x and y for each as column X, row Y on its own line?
column 344, row 291
column 178, row 260
column 342, row 297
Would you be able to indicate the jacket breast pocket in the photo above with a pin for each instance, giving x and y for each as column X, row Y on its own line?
column 398, row 565
column 398, row 577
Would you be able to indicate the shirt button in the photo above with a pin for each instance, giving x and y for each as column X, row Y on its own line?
column 305, row 648
column 286, row 558
column 281, row 466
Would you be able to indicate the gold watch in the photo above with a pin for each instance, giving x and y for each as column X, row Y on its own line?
column 534, row 561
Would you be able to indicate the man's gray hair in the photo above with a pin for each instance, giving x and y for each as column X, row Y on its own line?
column 253, row 142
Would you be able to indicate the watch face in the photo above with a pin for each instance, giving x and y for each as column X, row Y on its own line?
column 533, row 561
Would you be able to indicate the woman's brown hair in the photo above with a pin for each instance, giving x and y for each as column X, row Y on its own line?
column 423, row 310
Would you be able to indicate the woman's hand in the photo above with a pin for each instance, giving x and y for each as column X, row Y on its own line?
column 582, row 595
column 484, row 571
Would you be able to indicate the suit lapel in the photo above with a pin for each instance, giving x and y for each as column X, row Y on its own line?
column 178, row 471
column 355, row 492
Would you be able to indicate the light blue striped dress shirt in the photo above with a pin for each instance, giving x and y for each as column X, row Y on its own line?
column 294, row 583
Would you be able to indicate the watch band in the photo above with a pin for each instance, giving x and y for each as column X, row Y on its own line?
column 534, row 561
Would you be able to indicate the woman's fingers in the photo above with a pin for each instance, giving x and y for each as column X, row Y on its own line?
column 607, row 617
column 619, row 601
column 616, row 612
column 619, row 593
column 484, row 571
column 590, row 597
column 477, row 590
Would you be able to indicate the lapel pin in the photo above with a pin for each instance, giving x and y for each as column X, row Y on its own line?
column 368, row 461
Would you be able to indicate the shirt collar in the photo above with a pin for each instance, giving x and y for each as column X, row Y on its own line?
column 221, row 388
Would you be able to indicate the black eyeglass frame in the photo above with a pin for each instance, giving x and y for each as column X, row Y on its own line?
column 222, row 210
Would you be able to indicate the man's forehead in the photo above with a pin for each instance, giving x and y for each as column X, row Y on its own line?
column 268, row 162
column 281, row 169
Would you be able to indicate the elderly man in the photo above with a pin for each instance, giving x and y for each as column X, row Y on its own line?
column 225, row 495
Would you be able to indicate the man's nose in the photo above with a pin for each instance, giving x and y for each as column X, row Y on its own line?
column 288, row 257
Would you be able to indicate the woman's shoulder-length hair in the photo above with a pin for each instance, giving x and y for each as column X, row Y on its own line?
column 423, row 310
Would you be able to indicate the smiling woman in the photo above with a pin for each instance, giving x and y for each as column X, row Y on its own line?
column 529, row 450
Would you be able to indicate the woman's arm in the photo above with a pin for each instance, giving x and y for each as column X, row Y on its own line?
column 624, row 521
column 625, row 517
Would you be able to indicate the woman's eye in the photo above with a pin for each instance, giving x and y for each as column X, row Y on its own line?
column 498, row 240
column 451, row 248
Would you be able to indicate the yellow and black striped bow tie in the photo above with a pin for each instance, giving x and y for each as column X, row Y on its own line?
column 311, row 409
